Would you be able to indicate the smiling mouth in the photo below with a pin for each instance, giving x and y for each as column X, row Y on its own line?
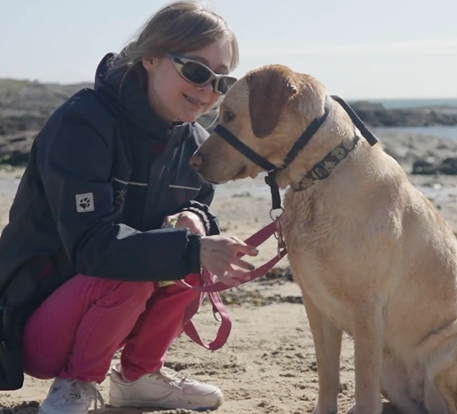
column 193, row 101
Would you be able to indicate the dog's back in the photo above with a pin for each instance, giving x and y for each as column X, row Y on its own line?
column 367, row 231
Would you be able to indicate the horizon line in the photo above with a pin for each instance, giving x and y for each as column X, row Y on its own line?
column 37, row 81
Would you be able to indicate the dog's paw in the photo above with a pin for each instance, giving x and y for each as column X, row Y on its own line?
column 318, row 410
column 353, row 410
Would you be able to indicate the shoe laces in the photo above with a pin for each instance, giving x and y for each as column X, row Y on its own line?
column 88, row 391
column 171, row 375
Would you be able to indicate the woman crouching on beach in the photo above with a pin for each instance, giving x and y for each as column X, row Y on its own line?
column 86, row 251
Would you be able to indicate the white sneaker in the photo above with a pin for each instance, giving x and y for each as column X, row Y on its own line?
column 163, row 389
column 68, row 396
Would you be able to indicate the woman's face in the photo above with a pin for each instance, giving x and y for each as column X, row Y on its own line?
column 172, row 97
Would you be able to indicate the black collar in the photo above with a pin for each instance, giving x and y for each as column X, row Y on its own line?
column 301, row 142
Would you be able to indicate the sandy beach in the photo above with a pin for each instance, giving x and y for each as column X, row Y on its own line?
column 268, row 364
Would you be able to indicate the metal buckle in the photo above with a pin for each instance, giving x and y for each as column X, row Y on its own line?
column 319, row 171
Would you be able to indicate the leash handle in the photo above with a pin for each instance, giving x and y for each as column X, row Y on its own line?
column 225, row 326
column 212, row 290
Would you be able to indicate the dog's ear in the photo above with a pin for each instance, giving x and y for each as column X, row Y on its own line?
column 269, row 91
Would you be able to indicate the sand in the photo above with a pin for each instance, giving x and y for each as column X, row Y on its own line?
column 268, row 364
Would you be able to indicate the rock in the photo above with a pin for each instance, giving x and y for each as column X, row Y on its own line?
column 423, row 167
column 447, row 166
column 376, row 115
column 25, row 107
column 22, row 121
column 15, row 148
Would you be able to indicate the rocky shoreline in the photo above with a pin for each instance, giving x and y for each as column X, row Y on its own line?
column 376, row 115
column 25, row 106
column 24, row 109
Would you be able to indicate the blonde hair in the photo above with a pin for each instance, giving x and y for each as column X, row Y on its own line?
column 179, row 27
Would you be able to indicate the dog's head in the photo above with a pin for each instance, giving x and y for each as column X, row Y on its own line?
column 267, row 110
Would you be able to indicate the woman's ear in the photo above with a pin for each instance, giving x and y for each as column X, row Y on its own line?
column 147, row 63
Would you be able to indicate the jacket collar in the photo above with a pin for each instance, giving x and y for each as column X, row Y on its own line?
column 124, row 89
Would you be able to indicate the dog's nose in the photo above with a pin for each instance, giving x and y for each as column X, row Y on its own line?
column 196, row 162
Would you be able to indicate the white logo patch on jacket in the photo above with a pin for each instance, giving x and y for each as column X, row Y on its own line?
column 84, row 202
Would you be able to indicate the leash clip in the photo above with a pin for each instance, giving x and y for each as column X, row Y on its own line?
column 217, row 315
column 278, row 234
column 274, row 217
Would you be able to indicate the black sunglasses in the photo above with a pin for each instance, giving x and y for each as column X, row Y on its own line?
column 200, row 75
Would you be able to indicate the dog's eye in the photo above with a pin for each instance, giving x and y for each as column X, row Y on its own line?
column 228, row 116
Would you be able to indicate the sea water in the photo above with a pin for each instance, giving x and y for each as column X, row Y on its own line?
column 440, row 131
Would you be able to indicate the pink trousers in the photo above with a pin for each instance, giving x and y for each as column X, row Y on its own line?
column 76, row 331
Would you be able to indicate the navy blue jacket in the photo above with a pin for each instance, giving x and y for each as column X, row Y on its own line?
column 96, row 190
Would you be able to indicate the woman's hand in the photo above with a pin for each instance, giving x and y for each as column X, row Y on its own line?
column 220, row 256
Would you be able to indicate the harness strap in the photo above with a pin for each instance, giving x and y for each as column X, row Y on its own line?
column 244, row 149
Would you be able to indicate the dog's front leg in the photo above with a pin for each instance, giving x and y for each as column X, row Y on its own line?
column 367, row 331
column 327, row 343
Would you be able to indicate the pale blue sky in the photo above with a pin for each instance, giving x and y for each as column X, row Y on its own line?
column 358, row 48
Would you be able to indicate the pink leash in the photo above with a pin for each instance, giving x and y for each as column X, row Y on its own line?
column 212, row 288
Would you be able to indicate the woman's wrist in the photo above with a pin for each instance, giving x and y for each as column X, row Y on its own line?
column 202, row 215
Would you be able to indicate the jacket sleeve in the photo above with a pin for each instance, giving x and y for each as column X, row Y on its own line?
column 201, row 206
column 75, row 164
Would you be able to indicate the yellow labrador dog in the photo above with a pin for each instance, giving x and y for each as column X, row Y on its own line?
column 372, row 256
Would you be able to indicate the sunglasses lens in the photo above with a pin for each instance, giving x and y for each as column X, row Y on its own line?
column 196, row 73
column 200, row 75
column 224, row 85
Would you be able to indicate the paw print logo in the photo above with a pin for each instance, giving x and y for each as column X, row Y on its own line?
column 84, row 202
